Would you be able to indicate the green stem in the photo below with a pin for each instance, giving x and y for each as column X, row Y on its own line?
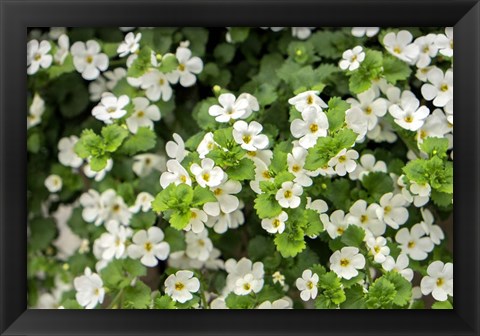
column 367, row 268
column 203, row 297
column 115, row 299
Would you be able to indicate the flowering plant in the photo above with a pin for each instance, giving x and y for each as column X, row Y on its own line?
column 240, row 168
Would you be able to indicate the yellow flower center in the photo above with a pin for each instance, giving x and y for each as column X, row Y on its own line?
column 426, row 49
column 247, row 286
column 287, row 194
column 440, row 282
column 310, row 285
column 183, row 178
column 116, row 208
column 342, row 159
column 206, row 177
column 252, row 153
column 296, row 168
column 313, row 128
column 444, row 88
column 363, row 219
column 111, row 109
column 266, row 174
column 376, row 248
column 276, row 223
column 368, row 110
column 181, row 67
column 344, row 262
column 408, row 119
column 89, row 59
column 218, row 191
column 97, row 292
column 193, row 215
column 246, row 138
column 397, row 50
column 37, row 57
column 411, row 244
column 201, row 242
column 387, row 209
column 161, row 81
column 310, row 100
column 140, row 114
column 148, row 246
column 179, row 286
column 340, row 231
column 423, row 134
column 148, row 161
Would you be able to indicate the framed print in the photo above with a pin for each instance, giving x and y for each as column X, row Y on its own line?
column 201, row 164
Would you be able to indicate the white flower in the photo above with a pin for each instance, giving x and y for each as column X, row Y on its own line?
column 314, row 124
column 409, row 115
column 320, row 206
column 175, row 174
column 445, row 42
column 206, row 145
column 188, row 67
column 400, row 46
column 421, row 193
column 37, row 56
column 230, row 108
column 226, row 202
column 66, row 152
column 207, row 174
column 279, row 278
column 352, row 58
column 36, row 110
column 277, row 304
column 367, row 165
column 97, row 88
column 428, row 49
column 176, row 149
column 143, row 114
column 224, row 221
column 307, row 285
column 400, row 266
column 382, row 132
column 113, row 242
column 198, row 218
column 67, row 243
column 114, row 207
column 414, row 242
column 434, row 231
column 110, row 107
column 357, row 122
column 439, row 281
column 441, row 88
column 307, row 99
column 88, row 60
column 344, row 161
column 148, row 246
column 100, row 175
column 366, row 217
column 247, row 284
column 362, row 31
column 114, row 76
column 296, row 161
column 378, row 248
column 145, row 163
column 143, row 202
column 92, row 207
column 346, row 262
column 53, row 183
column 156, row 85
column 181, row 285
column 62, row 51
column 336, row 224
column 392, row 210
column 253, row 105
column 302, row 33
column 239, row 271
column 371, row 107
column 130, row 45
column 248, row 135
column 436, row 125
column 89, row 289
column 276, row 224
column 288, row 195
column 199, row 245
column 180, row 260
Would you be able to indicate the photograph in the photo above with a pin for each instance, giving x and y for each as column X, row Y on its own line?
column 240, row 168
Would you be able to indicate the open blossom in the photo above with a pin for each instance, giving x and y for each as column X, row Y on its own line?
column 365, row 216
column 352, row 58
column 176, row 149
column 439, row 281
column 277, row 304
column 100, row 175
column 37, row 56
column 143, row 202
column 188, row 67
column 229, row 108
column 370, row 105
column 392, row 210
column 344, row 161
column 207, row 174
column 66, row 152
column 62, row 51
column 206, row 145
column 198, row 218
column 88, row 59
column 400, row 45
column 253, row 105
column 248, row 135
column 314, row 124
column 113, row 242
column 307, row 285
column 288, row 196
column 144, row 164
column 445, row 42
column 36, row 110
column 114, row 207
column 365, row 31
column 440, row 88
column 156, row 86
column 346, row 262
column 367, row 165
column 224, row 221
column 199, row 245
column 181, row 285
column 433, row 231
column 276, row 224
column 143, row 114
column 175, row 174
column 90, row 290
column 428, row 49
column 226, row 201
column 53, row 183
column 92, row 207
column 130, row 45
column 296, row 161
column 409, row 114
column 111, row 107
column 244, row 276
column 400, row 266
column 414, row 243
column 307, row 99
column 148, row 246
column 336, row 224
column 378, row 248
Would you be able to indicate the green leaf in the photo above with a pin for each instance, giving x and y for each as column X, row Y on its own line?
column 381, row 294
column 134, row 267
column 112, row 274
column 57, row 70
column 168, row 64
column 332, row 293
column 142, row 141
column 42, row 233
column 336, row 113
column 267, row 206
column 441, row 199
column 202, row 196
column 175, row 239
column 141, row 64
column 442, row 305
column 338, row 192
column 260, row 247
column 402, row 286
column 355, row 298
column 353, row 236
column 435, row 147
column 395, row 70
column 89, row 144
column 370, row 68
column 179, row 220
column 239, row 34
column 137, row 297
column 224, row 137
column 224, row 52
column 143, row 220
column 113, row 136
column 244, row 170
column 314, row 225
column 234, row 301
column 377, row 184
column 290, row 242
column 98, row 163
column 164, row 302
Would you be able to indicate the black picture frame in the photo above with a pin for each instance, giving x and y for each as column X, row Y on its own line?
column 17, row 15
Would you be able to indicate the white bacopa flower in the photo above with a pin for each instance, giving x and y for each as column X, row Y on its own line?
column 67, row 242
column 344, row 161
column 53, row 183
column 414, row 242
column 336, row 224
column 265, row 156
column 279, row 278
column 320, row 206
column 440, row 88
column 37, row 56
column 276, row 224
column 253, row 105
column 229, row 108
column 36, row 110
column 277, row 304
column 436, row 125
column 114, row 207
column 307, row 285
column 352, row 58
column 199, row 245
column 143, row 114
column 357, row 122
column 62, row 51
column 198, row 218
column 445, row 42
column 378, row 248
column 206, row 145
column 302, row 33
column 88, row 60
column 188, row 67
column 296, row 161
column 392, row 210
column 148, row 246
column 439, row 280
column 143, row 202
column 248, row 135
column 97, row 88
column 400, row 266
column 226, row 202
column 92, row 207
column 113, row 242
column 262, row 173
column 365, row 31
column 288, row 196
column 181, row 285
column 110, row 108
column 130, row 45
column 366, row 217
column 346, row 262
column 314, row 124
column 370, row 105
column 409, row 115
column 207, row 174
column 420, row 193
column 180, row 260
column 100, row 175
column 225, row 221
column 144, row 164
column 175, row 174
column 66, row 152
column 428, row 49
column 156, row 85
column 307, row 99
column 367, row 165
column 239, row 270
column 434, row 231
column 90, row 290
column 400, row 46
